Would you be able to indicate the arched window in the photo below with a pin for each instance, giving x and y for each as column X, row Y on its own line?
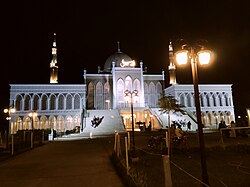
column 128, row 83
column 214, row 100
column 90, row 97
column 99, row 96
column 60, row 122
column 208, row 100
column 120, row 91
column 69, row 123
column 137, row 85
column 190, row 100
column 68, row 102
column 26, row 123
column 77, row 121
column 107, row 97
column 52, row 122
column 182, row 99
column 52, row 102
column 19, row 123
column 158, row 92
column 152, row 99
column 44, row 123
column 35, row 122
column 35, row 102
column 77, row 101
column 202, row 100
column 60, row 102
column 44, row 102
column 27, row 102
column 146, row 94
column 18, row 105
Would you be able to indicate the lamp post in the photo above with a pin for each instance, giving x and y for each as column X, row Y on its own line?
column 203, row 57
column 130, row 94
column 32, row 115
column 8, row 111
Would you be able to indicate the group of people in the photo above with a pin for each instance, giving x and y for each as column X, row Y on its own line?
column 182, row 123
column 230, row 132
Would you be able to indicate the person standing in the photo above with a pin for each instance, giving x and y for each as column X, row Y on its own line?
column 189, row 126
column 233, row 131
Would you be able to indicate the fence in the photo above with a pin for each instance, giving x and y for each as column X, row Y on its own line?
column 150, row 166
column 23, row 140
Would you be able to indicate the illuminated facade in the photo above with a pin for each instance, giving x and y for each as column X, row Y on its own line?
column 64, row 107
column 99, row 105
column 216, row 102
column 58, row 106
column 106, row 90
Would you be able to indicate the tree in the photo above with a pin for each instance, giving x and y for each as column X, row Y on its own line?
column 169, row 104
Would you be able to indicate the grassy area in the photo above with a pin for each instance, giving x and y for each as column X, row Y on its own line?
column 225, row 167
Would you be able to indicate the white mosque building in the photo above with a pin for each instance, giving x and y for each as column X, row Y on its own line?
column 102, row 103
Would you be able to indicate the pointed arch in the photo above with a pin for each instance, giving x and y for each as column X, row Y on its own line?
column 36, row 124
column 44, row 101
column 27, row 102
column 36, row 99
column 152, row 100
column 18, row 104
column 146, row 94
column 90, row 97
column 77, row 101
column 182, row 99
column 19, row 123
column 44, row 123
column 128, row 83
column 120, row 91
column 27, row 123
column 60, row 124
column 158, row 92
column 61, row 103
column 77, row 121
column 52, row 101
column 52, row 122
column 189, row 100
column 137, row 85
column 107, row 97
column 99, row 95
column 69, row 122
column 69, row 101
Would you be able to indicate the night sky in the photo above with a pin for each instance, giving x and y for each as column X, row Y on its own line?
column 88, row 31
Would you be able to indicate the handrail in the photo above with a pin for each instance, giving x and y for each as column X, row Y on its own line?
column 229, row 128
column 156, row 116
column 191, row 115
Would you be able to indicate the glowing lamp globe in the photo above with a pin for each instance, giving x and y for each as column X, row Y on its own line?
column 181, row 57
column 204, row 57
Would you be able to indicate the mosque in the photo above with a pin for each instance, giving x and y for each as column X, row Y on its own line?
column 122, row 92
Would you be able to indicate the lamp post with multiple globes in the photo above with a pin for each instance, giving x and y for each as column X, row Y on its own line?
column 189, row 54
column 8, row 111
column 32, row 115
column 127, row 95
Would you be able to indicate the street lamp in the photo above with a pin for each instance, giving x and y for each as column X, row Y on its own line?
column 32, row 115
column 194, row 57
column 8, row 111
column 130, row 94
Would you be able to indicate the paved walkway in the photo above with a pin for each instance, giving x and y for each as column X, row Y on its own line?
column 62, row 163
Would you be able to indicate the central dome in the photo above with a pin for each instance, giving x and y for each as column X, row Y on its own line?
column 117, row 58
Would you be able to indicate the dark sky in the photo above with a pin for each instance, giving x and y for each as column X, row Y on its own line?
column 87, row 32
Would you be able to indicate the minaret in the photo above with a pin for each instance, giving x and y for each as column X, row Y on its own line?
column 171, row 67
column 53, row 66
